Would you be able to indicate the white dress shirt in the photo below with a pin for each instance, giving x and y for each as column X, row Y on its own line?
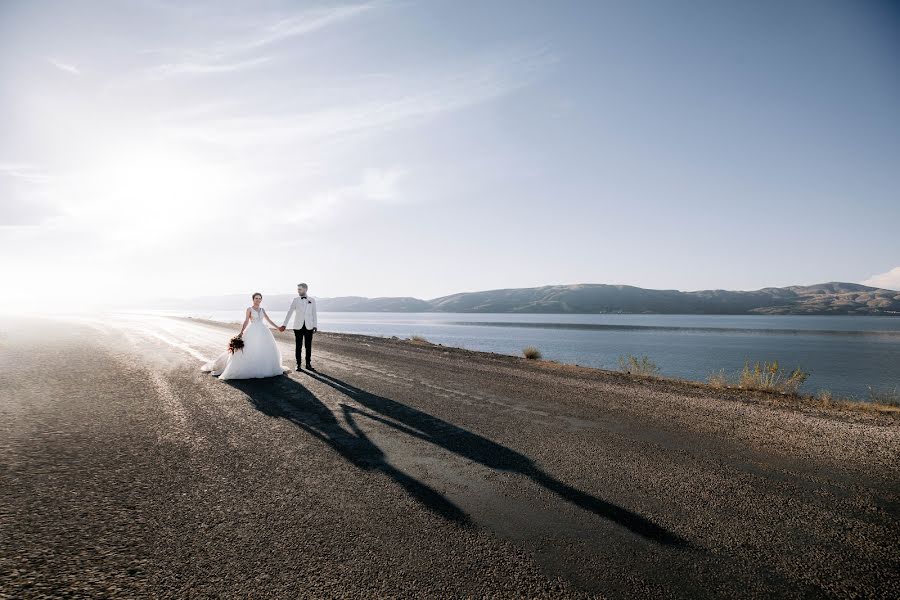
column 304, row 311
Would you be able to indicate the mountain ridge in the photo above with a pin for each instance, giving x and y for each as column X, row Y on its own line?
column 831, row 298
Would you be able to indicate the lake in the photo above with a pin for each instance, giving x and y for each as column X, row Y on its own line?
column 843, row 354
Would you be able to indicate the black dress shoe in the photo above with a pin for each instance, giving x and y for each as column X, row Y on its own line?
column 309, row 367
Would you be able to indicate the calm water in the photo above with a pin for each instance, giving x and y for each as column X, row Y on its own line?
column 842, row 354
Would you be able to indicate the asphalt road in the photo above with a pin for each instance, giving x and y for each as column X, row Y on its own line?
column 403, row 469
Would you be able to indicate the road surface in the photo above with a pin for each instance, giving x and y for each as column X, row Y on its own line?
column 407, row 470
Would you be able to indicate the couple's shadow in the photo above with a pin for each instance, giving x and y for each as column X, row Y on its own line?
column 286, row 398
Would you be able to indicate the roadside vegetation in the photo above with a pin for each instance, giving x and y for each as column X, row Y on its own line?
column 761, row 376
column 888, row 397
column 638, row 365
column 531, row 353
column 880, row 402
column 771, row 377
column 719, row 379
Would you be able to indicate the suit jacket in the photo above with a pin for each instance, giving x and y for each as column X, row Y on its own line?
column 304, row 311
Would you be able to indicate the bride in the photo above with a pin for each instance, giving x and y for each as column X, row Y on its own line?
column 260, row 356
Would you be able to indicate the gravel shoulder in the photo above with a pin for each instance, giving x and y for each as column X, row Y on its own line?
column 407, row 470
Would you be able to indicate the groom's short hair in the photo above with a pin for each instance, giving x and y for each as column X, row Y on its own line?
column 302, row 285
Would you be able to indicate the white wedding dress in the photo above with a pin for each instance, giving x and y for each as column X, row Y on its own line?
column 260, row 356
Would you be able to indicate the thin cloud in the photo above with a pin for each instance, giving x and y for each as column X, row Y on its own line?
column 221, row 56
column 29, row 203
column 483, row 83
column 297, row 25
column 382, row 184
column 376, row 185
column 888, row 281
column 198, row 68
column 24, row 172
column 68, row 68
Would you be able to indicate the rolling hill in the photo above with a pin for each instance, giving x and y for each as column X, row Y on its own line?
column 826, row 298
column 823, row 299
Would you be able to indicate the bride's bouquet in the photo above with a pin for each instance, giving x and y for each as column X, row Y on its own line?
column 236, row 343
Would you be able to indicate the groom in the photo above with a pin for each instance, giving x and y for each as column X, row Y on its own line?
column 305, row 323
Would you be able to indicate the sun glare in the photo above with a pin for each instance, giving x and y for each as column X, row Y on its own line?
column 140, row 192
column 117, row 209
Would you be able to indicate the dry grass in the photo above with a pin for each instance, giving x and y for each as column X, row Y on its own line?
column 531, row 353
column 638, row 365
column 770, row 377
column 419, row 339
column 878, row 403
column 887, row 397
column 718, row 380
column 826, row 399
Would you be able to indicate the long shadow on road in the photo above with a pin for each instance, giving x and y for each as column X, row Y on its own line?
column 286, row 398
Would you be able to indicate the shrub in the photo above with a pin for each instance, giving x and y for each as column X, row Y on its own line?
column 419, row 338
column 634, row 365
column 769, row 376
column 531, row 353
column 718, row 379
column 825, row 396
column 889, row 397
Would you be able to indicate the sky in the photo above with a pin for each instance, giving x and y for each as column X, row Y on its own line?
column 155, row 148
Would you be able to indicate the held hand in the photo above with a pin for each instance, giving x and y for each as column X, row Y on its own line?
column 282, row 328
